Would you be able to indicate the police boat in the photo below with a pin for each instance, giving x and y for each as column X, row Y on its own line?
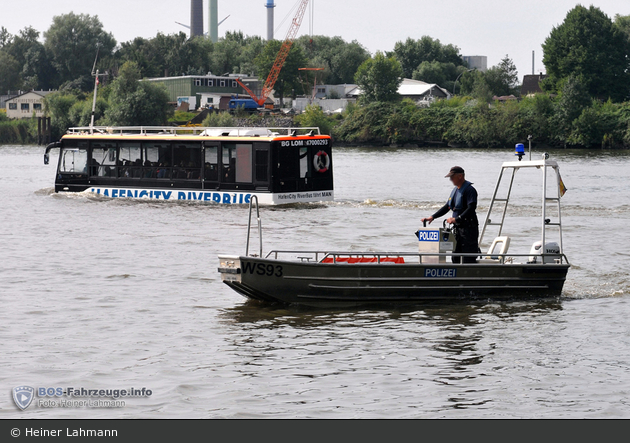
column 346, row 279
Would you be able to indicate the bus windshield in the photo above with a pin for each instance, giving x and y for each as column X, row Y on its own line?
column 73, row 161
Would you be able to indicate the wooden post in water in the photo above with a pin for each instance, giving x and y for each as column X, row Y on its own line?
column 43, row 130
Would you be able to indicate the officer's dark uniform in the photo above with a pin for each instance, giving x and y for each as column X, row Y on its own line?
column 463, row 203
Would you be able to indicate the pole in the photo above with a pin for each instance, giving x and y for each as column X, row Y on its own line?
column 455, row 85
column 94, row 104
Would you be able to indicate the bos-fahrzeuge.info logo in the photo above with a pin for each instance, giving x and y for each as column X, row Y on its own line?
column 57, row 397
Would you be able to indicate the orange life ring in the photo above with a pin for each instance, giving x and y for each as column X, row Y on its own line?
column 321, row 162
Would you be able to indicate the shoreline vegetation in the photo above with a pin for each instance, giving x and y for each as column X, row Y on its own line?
column 583, row 101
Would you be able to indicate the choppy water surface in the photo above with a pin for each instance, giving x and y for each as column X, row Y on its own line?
column 101, row 293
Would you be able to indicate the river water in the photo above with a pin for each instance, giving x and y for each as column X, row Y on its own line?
column 113, row 294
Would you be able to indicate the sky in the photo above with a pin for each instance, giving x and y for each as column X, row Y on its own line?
column 478, row 27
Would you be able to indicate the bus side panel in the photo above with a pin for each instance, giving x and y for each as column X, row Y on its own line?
column 302, row 165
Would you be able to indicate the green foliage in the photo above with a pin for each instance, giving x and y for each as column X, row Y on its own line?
column 499, row 80
column 313, row 116
column 136, row 103
column 72, row 41
column 339, row 59
column 219, row 120
column 412, row 53
column 573, row 99
column 466, row 122
column 182, row 116
column 379, row 78
column 503, row 78
column 623, row 23
column 18, row 132
column 440, row 73
column 9, row 73
column 598, row 125
column 57, row 105
column 588, row 45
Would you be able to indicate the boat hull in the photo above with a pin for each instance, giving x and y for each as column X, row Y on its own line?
column 336, row 284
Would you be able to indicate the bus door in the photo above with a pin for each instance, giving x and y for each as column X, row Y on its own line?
column 211, row 165
column 262, row 166
column 236, row 170
column 72, row 170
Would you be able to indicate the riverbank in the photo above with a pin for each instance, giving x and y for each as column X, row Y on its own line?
column 457, row 123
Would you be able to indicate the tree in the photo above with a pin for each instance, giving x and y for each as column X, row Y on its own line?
column 440, row 73
column 72, row 41
column 57, row 105
column 503, row 78
column 37, row 70
column 9, row 73
column 379, row 78
column 289, row 78
column 412, row 53
column 588, row 45
column 574, row 98
column 21, row 43
column 135, row 102
column 339, row 58
column 313, row 116
column 5, row 37
column 623, row 23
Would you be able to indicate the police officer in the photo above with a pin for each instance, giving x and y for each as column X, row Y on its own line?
column 463, row 203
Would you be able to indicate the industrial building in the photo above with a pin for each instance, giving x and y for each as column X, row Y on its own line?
column 205, row 91
column 478, row 62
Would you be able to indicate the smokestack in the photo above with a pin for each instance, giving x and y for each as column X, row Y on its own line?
column 213, row 20
column 270, row 5
column 196, row 18
column 532, row 62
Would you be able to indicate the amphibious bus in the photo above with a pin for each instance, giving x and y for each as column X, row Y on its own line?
column 215, row 165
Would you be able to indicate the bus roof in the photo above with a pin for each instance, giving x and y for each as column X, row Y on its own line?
column 192, row 133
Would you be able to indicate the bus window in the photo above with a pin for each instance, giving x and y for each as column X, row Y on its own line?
column 73, row 161
column 187, row 161
column 211, row 171
column 304, row 162
column 104, row 156
column 237, row 163
column 157, row 160
column 262, row 164
column 151, row 159
column 130, row 160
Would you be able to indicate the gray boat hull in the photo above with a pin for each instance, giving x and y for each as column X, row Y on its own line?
column 341, row 284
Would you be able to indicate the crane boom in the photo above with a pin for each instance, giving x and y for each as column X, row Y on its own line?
column 280, row 58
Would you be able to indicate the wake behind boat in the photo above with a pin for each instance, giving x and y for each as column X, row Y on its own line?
column 334, row 278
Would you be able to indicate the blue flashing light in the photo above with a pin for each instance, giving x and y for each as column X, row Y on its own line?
column 520, row 151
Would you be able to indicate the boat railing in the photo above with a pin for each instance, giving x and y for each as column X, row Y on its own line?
column 254, row 198
column 389, row 257
column 195, row 130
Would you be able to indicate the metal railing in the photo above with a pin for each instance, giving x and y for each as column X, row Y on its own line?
column 249, row 225
column 319, row 256
column 209, row 131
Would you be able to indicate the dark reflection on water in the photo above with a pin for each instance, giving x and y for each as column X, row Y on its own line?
column 447, row 313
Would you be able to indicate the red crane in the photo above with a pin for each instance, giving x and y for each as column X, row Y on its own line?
column 280, row 58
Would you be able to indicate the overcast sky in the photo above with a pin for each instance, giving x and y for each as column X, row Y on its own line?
column 492, row 28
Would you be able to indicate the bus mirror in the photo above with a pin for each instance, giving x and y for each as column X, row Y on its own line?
column 46, row 158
